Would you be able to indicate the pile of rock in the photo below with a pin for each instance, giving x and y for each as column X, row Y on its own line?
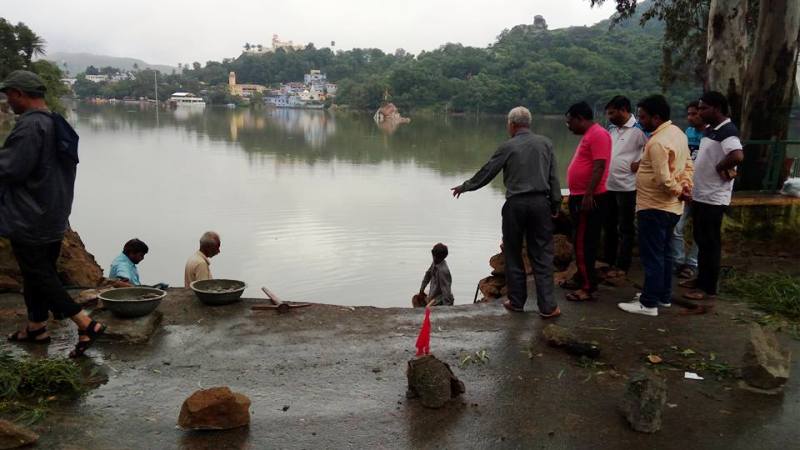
column 76, row 266
column 494, row 286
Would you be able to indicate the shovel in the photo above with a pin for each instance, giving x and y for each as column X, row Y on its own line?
column 277, row 304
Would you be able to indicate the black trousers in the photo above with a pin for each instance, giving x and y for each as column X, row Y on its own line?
column 707, row 223
column 586, row 232
column 528, row 216
column 619, row 229
column 43, row 290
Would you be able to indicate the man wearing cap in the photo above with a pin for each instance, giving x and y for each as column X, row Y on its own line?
column 37, row 182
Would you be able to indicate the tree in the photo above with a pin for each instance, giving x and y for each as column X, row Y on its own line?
column 18, row 45
column 754, row 65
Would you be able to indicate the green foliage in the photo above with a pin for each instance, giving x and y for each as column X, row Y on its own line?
column 546, row 70
column 774, row 292
column 39, row 377
column 18, row 45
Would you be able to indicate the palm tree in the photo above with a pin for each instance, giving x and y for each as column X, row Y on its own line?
column 247, row 46
column 29, row 43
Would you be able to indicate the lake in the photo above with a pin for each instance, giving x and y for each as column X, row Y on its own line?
column 317, row 206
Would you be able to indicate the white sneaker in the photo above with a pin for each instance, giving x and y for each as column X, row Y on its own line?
column 664, row 305
column 638, row 308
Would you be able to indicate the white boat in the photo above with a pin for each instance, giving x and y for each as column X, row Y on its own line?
column 186, row 98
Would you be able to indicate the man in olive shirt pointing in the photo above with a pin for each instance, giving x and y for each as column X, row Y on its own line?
column 533, row 196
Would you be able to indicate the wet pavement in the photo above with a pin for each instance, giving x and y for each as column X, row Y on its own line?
column 334, row 377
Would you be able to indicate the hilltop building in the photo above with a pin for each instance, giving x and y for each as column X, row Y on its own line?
column 276, row 44
column 243, row 90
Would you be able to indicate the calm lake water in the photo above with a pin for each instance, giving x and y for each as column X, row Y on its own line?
column 318, row 206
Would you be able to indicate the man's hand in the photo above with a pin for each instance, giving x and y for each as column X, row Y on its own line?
column 635, row 166
column 727, row 174
column 686, row 194
column 588, row 203
column 457, row 191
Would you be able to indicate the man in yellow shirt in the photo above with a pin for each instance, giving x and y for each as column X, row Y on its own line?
column 663, row 182
column 198, row 266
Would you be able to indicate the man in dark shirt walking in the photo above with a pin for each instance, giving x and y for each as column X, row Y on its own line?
column 533, row 196
column 37, row 178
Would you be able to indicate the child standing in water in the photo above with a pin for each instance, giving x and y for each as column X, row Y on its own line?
column 438, row 275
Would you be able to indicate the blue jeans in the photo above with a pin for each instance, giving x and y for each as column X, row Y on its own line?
column 679, row 254
column 655, row 250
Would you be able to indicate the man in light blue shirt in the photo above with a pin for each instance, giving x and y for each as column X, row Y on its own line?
column 123, row 268
column 686, row 261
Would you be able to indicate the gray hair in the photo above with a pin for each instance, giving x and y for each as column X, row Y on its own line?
column 520, row 116
column 209, row 238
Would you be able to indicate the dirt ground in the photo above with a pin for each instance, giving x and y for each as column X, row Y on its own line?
column 334, row 377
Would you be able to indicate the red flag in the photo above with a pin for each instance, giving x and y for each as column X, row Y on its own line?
column 424, row 338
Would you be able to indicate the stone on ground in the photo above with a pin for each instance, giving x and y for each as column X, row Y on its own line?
column 558, row 336
column 133, row 331
column 217, row 408
column 765, row 364
column 432, row 381
column 14, row 436
column 644, row 401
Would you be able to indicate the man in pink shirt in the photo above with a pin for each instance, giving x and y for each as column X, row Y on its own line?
column 586, row 179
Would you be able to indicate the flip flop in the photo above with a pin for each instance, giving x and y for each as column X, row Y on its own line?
column 575, row 297
column 30, row 336
column 698, row 295
column 691, row 284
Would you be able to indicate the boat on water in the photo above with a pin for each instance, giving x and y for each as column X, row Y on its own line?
column 186, row 99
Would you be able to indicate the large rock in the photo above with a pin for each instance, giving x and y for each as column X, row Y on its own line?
column 563, row 252
column 9, row 284
column 765, row 364
column 558, row 336
column 644, row 401
column 217, row 408
column 76, row 266
column 432, row 381
column 13, row 436
column 561, row 337
column 492, row 287
column 137, row 330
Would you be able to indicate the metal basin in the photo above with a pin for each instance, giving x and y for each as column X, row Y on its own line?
column 133, row 301
column 218, row 292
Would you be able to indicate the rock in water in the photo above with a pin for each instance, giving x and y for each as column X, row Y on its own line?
column 765, row 364
column 432, row 381
column 644, row 400
column 13, row 436
column 217, row 408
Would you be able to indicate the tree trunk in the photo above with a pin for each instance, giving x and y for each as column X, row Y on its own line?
column 727, row 53
column 769, row 87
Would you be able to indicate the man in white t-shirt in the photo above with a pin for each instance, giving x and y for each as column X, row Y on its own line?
column 714, row 171
column 627, row 142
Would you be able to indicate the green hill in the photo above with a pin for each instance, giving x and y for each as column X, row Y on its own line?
column 75, row 63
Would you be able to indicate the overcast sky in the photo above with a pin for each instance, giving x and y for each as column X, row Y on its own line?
column 172, row 31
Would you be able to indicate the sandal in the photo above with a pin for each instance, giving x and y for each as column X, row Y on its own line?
column 30, row 336
column 687, row 273
column 577, row 297
column 698, row 295
column 570, row 284
column 92, row 334
column 691, row 284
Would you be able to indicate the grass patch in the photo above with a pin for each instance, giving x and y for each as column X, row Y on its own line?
column 773, row 293
column 29, row 385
